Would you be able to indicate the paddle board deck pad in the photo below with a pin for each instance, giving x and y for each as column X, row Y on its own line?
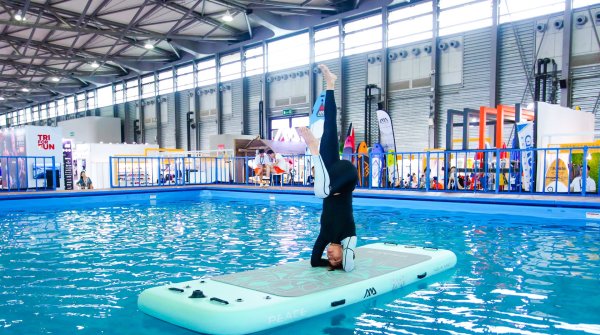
column 265, row 298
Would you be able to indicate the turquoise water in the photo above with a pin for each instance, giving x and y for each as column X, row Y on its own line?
column 78, row 270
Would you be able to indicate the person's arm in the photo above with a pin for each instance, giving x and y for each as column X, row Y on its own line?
column 348, row 246
column 90, row 185
column 316, row 259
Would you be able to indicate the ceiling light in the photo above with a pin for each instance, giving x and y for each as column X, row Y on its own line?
column 227, row 17
column 149, row 45
column 95, row 65
column 55, row 79
column 25, row 89
column 20, row 16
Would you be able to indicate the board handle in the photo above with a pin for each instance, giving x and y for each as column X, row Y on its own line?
column 219, row 300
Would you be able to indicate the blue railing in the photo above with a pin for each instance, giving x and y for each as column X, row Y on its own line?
column 24, row 173
column 564, row 171
column 165, row 171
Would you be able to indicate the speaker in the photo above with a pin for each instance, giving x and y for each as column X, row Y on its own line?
column 559, row 24
column 541, row 27
column 581, row 20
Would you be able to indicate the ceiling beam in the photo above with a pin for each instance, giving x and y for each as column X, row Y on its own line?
column 59, row 72
column 88, row 59
column 104, row 32
column 206, row 19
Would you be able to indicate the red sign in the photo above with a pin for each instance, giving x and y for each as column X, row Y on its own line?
column 44, row 142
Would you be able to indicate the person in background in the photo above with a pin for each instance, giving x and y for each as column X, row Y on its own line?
column 577, row 183
column 262, row 165
column 454, row 180
column 311, row 179
column 85, row 182
column 436, row 185
column 278, row 163
column 335, row 181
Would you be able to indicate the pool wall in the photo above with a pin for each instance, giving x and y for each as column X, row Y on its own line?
column 542, row 207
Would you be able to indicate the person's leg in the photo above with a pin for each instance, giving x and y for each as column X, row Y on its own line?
column 329, row 148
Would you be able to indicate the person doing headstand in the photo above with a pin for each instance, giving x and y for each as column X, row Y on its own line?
column 334, row 182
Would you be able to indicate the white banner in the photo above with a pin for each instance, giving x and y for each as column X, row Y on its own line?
column 386, row 131
column 525, row 133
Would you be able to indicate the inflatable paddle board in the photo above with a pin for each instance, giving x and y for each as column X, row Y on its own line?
column 265, row 298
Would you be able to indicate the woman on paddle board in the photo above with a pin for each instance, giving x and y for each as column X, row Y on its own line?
column 335, row 180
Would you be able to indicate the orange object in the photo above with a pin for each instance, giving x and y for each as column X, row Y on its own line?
column 501, row 112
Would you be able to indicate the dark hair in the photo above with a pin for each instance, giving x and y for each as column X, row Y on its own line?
column 261, row 151
column 589, row 167
column 270, row 152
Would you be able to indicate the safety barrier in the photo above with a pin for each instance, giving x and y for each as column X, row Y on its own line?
column 28, row 173
column 555, row 171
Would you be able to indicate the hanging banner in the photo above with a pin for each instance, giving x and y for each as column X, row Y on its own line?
column 525, row 134
column 388, row 142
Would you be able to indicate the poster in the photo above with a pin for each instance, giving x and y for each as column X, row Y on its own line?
column 13, row 167
column 68, row 163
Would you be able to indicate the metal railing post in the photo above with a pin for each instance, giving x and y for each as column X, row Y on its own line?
column 584, row 173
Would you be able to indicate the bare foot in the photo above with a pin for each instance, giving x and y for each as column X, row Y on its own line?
column 329, row 77
column 309, row 138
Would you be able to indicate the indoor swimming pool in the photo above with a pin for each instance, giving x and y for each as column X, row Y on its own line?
column 78, row 268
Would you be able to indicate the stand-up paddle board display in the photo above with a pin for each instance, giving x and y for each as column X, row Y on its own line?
column 261, row 299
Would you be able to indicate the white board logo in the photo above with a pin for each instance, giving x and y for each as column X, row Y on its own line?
column 370, row 292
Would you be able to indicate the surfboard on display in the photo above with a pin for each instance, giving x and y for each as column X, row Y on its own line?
column 262, row 299
column 348, row 151
column 363, row 164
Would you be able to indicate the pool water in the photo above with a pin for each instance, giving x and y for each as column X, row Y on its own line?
column 80, row 270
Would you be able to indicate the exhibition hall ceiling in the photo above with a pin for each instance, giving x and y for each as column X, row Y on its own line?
column 50, row 48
